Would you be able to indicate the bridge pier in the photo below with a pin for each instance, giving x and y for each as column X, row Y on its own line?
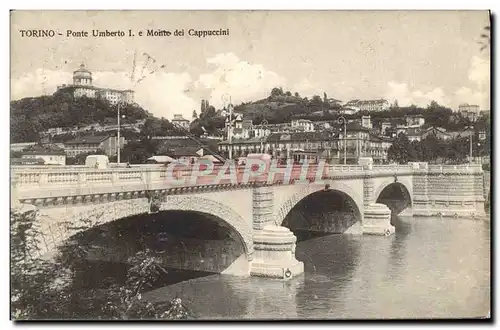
column 376, row 217
column 274, row 246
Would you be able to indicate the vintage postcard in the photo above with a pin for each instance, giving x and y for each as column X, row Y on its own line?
column 250, row 165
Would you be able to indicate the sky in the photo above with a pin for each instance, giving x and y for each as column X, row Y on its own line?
column 413, row 57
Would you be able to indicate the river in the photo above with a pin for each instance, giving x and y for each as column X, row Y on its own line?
column 431, row 268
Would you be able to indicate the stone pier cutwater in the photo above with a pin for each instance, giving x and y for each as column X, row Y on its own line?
column 376, row 217
column 274, row 246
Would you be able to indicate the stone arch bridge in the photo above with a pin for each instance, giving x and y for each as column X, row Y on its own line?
column 256, row 211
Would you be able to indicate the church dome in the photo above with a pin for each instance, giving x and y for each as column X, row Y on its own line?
column 82, row 71
column 82, row 76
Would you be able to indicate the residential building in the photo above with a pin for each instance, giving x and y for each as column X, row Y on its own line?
column 284, row 145
column 243, row 147
column 241, row 128
column 414, row 133
column 348, row 110
column 260, row 131
column 468, row 108
column 322, row 125
column 438, row 132
column 49, row 153
column 303, row 124
column 189, row 154
column 415, row 120
column 366, row 121
column 312, row 146
column 353, row 105
column 83, row 86
column 469, row 111
column 384, row 126
column 88, row 144
column 180, row 121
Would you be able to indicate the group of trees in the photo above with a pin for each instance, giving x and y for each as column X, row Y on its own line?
column 34, row 115
column 208, row 122
column 433, row 149
column 42, row 289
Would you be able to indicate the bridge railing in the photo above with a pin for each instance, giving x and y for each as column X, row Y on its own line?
column 463, row 168
column 345, row 168
column 34, row 182
column 392, row 168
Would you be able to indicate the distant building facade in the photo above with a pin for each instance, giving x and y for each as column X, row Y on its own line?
column 469, row 111
column 415, row 120
column 180, row 121
column 50, row 154
column 83, row 86
column 303, row 124
column 89, row 144
column 368, row 105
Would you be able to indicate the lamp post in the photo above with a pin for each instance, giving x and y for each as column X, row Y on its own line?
column 263, row 124
column 343, row 121
column 470, row 143
column 118, row 151
column 226, row 99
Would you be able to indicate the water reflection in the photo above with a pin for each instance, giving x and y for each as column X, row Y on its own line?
column 330, row 264
column 431, row 267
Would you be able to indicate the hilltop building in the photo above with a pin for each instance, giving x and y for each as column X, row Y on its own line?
column 470, row 111
column 83, row 86
column 368, row 105
column 180, row 121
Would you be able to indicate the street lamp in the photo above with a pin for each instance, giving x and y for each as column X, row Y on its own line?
column 263, row 124
column 226, row 99
column 470, row 142
column 343, row 121
column 118, row 143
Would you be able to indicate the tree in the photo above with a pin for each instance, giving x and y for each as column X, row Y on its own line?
column 41, row 288
column 325, row 97
column 276, row 92
column 138, row 152
column 296, row 95
column 195, row 115
column 288, row 94
column 395, row 105
column 316, row 100
column 400, row 150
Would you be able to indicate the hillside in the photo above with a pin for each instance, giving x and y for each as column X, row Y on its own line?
column 279, row 109
column 34, row 115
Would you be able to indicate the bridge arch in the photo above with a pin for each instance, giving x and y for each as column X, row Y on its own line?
column 210, row 207
column 321, row 209
column 309, row 189
column 60, row 225
column 395, row 194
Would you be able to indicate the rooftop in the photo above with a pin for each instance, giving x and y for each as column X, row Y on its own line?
column 45, row 149
column 298, row 136
column 90, row 139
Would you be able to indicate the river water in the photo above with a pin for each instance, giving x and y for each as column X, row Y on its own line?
column 431, row 268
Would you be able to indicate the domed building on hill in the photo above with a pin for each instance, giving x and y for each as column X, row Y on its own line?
column 82, row 86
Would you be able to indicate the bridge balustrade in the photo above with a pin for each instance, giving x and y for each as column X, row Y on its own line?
column 75, row 178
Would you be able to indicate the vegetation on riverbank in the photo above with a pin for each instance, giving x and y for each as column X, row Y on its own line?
column 45, row 289
column 433, row 149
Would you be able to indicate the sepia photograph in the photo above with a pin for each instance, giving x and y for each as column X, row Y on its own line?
column 205, row 165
